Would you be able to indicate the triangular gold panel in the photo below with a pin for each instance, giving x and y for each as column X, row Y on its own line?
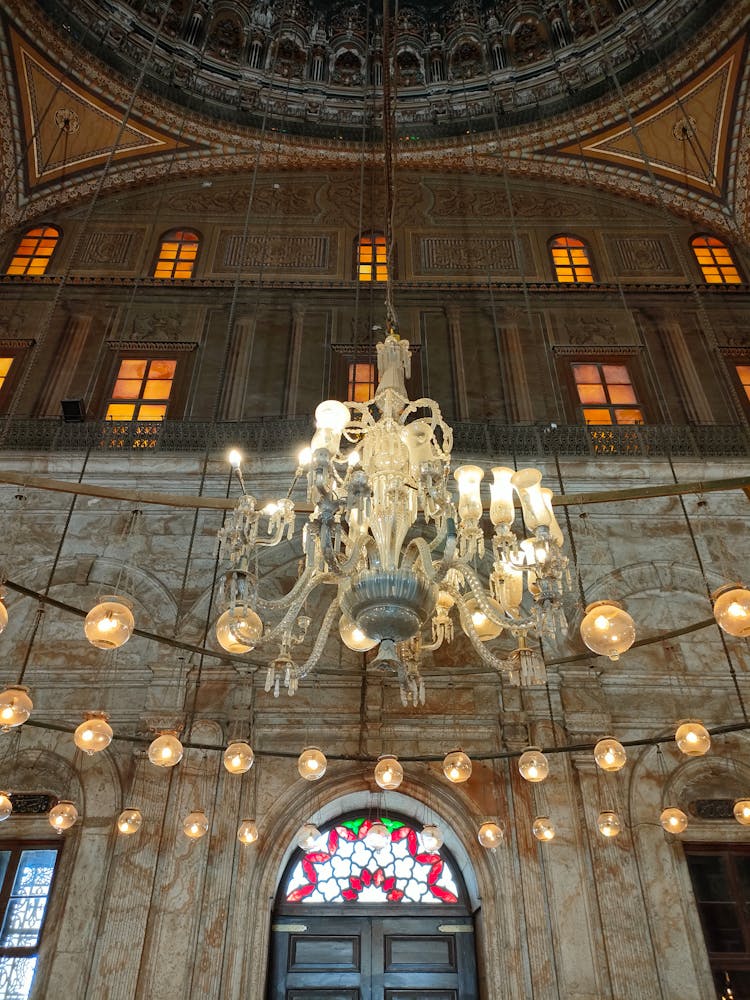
column 68, row 128
column 683, row 138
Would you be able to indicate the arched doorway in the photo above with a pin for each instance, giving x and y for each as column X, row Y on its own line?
column 357, row 921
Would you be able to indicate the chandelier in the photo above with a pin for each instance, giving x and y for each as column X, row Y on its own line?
column 398, row 550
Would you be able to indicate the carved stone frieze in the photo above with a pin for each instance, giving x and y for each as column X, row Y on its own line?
column 586, row 329
column 309, row 252
column 641, row 255
column 109, row 249
column 462, row 254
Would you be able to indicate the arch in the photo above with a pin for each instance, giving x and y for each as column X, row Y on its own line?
column 34, row 251
column 178, row 250
column 571, row 259
column 715, row 260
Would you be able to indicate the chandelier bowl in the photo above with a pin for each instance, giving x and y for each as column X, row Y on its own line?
column 389, row 604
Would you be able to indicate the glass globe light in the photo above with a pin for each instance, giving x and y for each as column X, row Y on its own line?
column 533, row 765
column 484, row 628
column 312, row 764
column 693, row 739
column 609, row 823
column 195, row 825
column 93, row 734
column 607, row 629
column 238, row 631
column 3, row 616
column 15, row 707
column 543, row 829
column 610, row 755
column 110, row 623
column 165, row 750
column 432, row 837
column 732, row 609
column 307, row 836
column 129, row 821
column 490, row 835
column 353, row 636
column 6, row 806
column 378, row 836
column 248, row 832
column 63, row 815
column 673, row 820
column 742, row 811
column 457, row 766
column 388, row 772
column 238, row 757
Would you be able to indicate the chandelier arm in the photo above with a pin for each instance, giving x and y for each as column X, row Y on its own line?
column 278, row 604
column 478, row 592
column 419, row 551
column 488, row 658
column 315, row 653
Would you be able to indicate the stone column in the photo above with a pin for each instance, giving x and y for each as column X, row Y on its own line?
column 295, row 354
column 689, row 383
column 518, row 387
column 238, row 367
column 65, row 365
column 455, row 341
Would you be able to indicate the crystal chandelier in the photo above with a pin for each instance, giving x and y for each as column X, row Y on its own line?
column 398, row 551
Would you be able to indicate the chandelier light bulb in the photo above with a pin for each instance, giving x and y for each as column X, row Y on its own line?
column 247, row 832
column 457, row 766
column 129, row 822
column 673, row 820
column 353, row 636
column 110, row 623
column 312, row 764
column 610, row 755
column 607, row 629
column 6, row 806
column 234, row 458
column 732, row 609
column 485, row 628
column 305, row 457
column 238, row 757
column 63, row 815
column 3, row 616
column 166, row 750
column 307, row 836
column 533, row 765
column 388, row 772
column 238, row 630
column 94, row 734
column 378, row 836
column 432, row 837
column 543, row 829
column 490, row 835
column 15, row 707
column 742, row 811
column 609, row 823
column 195, row 825
column 693, row 739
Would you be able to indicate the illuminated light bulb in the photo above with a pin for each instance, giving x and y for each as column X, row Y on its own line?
column 271, row 508
column 692, row 739
column 432, row 837
column 129, row 822
column 490, row 835
column 110, row 623
column 378, row 836
column 543, row 829
column 63, row 815
column 234, row 458
column 353, row 636
column 607, row 629
column 533, row 765
column 609, row 823
column 457, row 766
column 485, row 628
column 305, row 457
column 15, row 707
column 732, row 609
column 388, row 772
column 238, row 757
column 247, row 832
column 610, row 755
column 166, row 750
column 238, row 630
column 307, row 836
column 353, row 458
column 94, row 734
column 673, row 820
column 3, row 616
column 312, row 764
column 6, row 806
column 742, row 811
column 195, row 825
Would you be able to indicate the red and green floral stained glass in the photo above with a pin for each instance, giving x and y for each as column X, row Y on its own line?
column 343, row 868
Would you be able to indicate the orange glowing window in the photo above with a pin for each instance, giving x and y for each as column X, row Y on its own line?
column 361, row 381
column 606, row 394
column 743, row 374
column 372, row 263
column 570, row 258
column 5, row 364
column 34, row 251
column 715, row 261
column 177, row 254
column 142, row 389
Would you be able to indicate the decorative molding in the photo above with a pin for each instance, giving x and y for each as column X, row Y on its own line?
column 111, row 249
column 13, row 344
column 595, row 349
column 152, row 345
column 641, row 255
column 440, row 254
column 311, row 252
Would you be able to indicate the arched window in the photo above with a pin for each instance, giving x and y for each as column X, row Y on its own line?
column 372, row 263
column 34, row 251
column 177, row 254
column 571, row 260
column 342, row 867
column 715, row 260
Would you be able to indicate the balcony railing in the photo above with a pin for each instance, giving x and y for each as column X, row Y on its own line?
column 277, row 434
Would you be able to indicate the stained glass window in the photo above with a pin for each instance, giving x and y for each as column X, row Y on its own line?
column 343, row 868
